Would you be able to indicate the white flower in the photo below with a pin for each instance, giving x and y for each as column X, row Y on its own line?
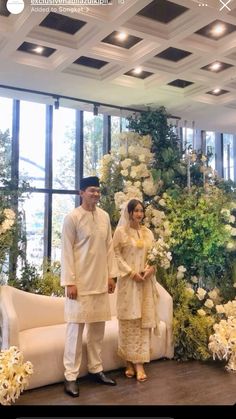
column 13, row 375
column 209, row 303
column 126, row 163
column 220, row 308
column 230, row 245
column 149, row 188
column 181, row 268
column 232, row 219
column 233, row 231
column 201, row 293
column 201, row 312
column 159, row 254
column 190, row 291
column 123, row 151
column 225, row 212
column 223, row 342
column 124, row 173
column 194, row 279
column 162, row 203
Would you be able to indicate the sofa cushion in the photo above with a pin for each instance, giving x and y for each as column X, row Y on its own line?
column 44, row 347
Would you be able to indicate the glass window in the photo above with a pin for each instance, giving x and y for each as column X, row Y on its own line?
column 115, row 131
column 124, row 124
column 187, row 139
column 118, row 125
column 33, row 225
column 32, row 143
column 228, row 157
column 5, row 138
column 61, row 206
column 210, row 148
column 64, row 133
column 6, row 114
column 93, row 143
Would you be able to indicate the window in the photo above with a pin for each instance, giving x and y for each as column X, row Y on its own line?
column 210, row 148
column 228, row 157
column 187, row 139
column 32, row 143
column 93, row 143
column 64, row 148
column 5, row 137
column 61, row 206
column 33, row 225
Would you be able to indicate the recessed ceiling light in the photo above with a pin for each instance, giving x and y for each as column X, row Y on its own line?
column 216, row 90
column 215, row 66
column 121, row 36
column 137, row 70
column 39, row 50
column 218, row 30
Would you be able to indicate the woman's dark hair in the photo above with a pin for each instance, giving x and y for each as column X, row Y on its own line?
column 133, row 204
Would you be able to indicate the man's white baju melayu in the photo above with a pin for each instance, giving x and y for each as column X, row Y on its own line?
column 88, row 261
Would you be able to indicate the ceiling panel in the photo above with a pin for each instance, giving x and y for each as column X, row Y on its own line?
column 93, row 53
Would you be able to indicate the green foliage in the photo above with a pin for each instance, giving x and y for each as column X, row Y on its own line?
column 108, row 190
column 44, row 280
column 28, row 279
column 5, row 154
column 166, row 146
column 191, row 335
column 190, row 330
column 199, row 236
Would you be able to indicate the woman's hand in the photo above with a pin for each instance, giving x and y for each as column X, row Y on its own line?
column 137, row 277
column 148, row 272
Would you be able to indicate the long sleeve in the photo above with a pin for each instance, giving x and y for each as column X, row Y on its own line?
column 68, row 276
column 124, row 267
column 111, row 258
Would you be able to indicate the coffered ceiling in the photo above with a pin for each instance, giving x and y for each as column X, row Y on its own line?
column 130, row 53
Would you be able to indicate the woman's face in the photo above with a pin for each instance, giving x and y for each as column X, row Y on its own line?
column 138, row 213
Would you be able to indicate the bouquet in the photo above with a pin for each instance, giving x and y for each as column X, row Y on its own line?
column 13, row 375
column 159, row 254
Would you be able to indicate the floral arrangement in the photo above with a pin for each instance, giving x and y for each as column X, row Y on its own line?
column 194, row 224
column 159, row 254
column 222, row 343
column 14, row 375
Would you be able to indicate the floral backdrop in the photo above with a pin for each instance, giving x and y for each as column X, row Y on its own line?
column 192, row 215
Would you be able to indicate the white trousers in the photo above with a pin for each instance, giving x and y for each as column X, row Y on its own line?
column 73, row 348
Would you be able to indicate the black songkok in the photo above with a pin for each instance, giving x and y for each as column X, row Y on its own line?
column 89, row 181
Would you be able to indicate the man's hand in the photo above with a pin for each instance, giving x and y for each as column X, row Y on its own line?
column 111, row 285
column 71, row 292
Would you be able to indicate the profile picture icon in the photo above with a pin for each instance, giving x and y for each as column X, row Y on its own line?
column 15, row 6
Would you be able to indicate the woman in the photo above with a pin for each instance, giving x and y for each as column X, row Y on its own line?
column 137, row 294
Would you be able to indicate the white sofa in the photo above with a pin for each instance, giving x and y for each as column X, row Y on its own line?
column 35, row 324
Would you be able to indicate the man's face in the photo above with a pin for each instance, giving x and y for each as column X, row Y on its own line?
column 91, row 195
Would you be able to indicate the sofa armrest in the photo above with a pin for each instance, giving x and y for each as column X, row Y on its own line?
column 21, row 310
column 165, row 313
column 9, row 320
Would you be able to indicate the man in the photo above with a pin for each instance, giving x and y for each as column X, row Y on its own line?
column 88, row 267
